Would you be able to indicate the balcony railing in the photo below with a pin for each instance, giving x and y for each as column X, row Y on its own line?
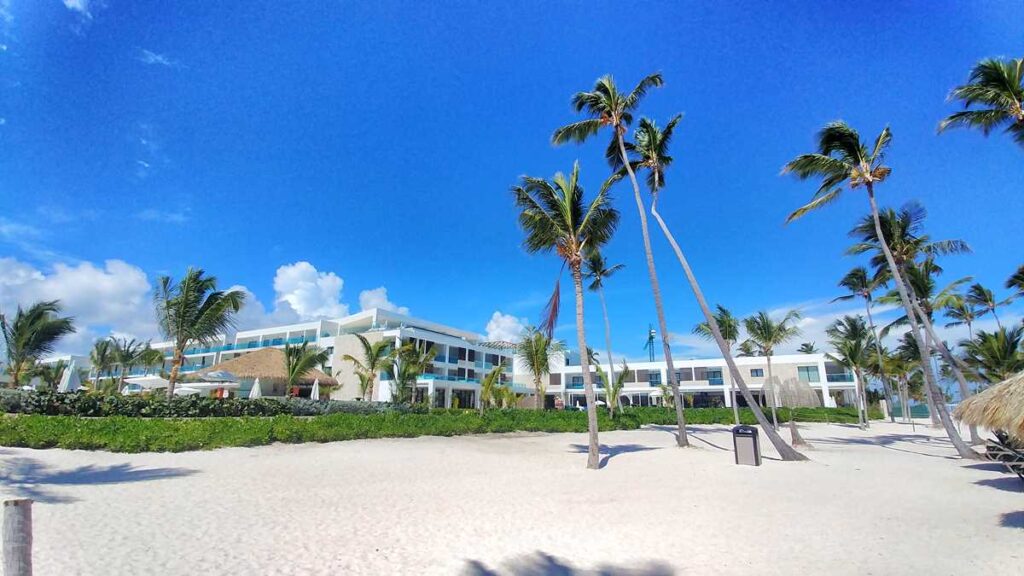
column 839, row 377
column 719, row 381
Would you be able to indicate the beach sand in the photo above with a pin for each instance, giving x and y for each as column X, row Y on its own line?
column 884, row 501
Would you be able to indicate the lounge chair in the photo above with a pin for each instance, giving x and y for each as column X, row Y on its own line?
column 1002, row 450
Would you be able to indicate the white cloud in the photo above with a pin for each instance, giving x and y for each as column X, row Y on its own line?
column 505, row 327
column 378, row 298
column 163, row 215
column 152, row 58
column 311, row 294
column 80, row 6
column 27, row 238
column 112, row 297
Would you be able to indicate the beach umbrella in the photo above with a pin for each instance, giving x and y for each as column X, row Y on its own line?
column 219, row 376
column 69, row 382
column 255, row 391
column 314, row 394
column 999, row 407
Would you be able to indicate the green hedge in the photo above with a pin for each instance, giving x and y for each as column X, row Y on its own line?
column 658, row 415
column 127, row 434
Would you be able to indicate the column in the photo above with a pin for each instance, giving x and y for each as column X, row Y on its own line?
column 826, row 396
column 448, row 397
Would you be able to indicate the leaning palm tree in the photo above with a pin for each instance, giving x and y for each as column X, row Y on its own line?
column 1016, row 281
column 961, row 313
column 597, row 271
column 606, row 106
column 860, row 284
column 126, row 355
column 995, row 355
column 32, row 334
column 843, row 160
column 300, row 359
column 729, row 326
column 766, row 334
column 556, row 218
column 998, row 87
column 193, row 311
column 985, row 301
column 852, row 342
column 102, row 358
column 375, row 358
column 535, row 351
column 807, row 348
column 489, row 386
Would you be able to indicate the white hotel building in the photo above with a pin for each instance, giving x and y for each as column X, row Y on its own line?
column 463, row 358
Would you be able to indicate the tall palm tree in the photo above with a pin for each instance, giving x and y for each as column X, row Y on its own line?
column 126, row 355
column 407, row 364
column 535, row 350
column 729, row 326
column 996, row 355
column 102, row 357
column 807, row 348
column 32, row 334
column 907, row 349
column 300, row 359
column 193, row 311
column 150, row 358
column 852, row 342
column 556, row 219
column 985, row 300
column 597, row 271
column 747, row 349
column 960, row 313
column 606, row 106
column 1016, row 281
column 998, row 86
column 489, row 386
column 375, row 358
column 843, row 160
column 766, row 334
column 860, row 284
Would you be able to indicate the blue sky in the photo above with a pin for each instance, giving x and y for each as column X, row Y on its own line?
column 347, row 154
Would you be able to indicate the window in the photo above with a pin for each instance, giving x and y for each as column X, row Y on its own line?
column 715, row 377
column 808, row 373
column 700, row 373
column 576, row 382
column 757, row 372
column 684, row 375
column 654, row 378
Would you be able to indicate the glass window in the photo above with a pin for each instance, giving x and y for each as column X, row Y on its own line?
column 808, row 373
column 757, row 372
column 715, row 376
column 700, row 373
column 654, row 378
column 684, row 375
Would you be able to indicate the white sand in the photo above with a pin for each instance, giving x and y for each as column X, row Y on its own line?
column 885, row 501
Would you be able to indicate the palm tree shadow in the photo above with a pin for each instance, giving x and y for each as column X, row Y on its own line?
column 888, row 440
column 1012, row 520
column 612, row 451
column 691, row 431
column 544, row 564
column 1005, row 483
column 30, row 478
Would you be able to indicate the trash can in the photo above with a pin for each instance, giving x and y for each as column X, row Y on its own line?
column 746, row 445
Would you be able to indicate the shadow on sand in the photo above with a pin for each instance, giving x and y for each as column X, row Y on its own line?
column 543, row 564
column 889, row 441
column 1012, row 520
column 612, row 451
column 1005, row 483
column 30, row 478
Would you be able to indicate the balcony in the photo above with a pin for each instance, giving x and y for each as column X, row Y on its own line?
column 839, row 377
column 716, row 381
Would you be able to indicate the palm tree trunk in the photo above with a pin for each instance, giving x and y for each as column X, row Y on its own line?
column 862, row 402
column 608, row 345
column 881, row 366
column 593, row 447
column 172, row 379
column 773, row 399
column 732, row 392
column 999, row 324
column 961, row 448
column 538, row 397
column 794, row 432
column 786, row 452
column 681, row 439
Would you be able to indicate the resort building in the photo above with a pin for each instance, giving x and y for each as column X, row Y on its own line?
column 462, row 358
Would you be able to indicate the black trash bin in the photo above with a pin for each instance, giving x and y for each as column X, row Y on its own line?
column 746, row 445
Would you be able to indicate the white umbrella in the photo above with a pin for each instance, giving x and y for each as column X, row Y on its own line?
column 255, row 391
column 219, row 376
column 186, row 391
column 314, row 394
column 69, row 382
column 149, row 382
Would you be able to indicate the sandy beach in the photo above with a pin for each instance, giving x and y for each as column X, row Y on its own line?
column 524, row 504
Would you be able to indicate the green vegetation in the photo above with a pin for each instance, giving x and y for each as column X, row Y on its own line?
column 125, row 434
column 30, row 335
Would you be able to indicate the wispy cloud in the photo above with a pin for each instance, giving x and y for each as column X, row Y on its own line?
column 28, row 239
column 166, row 216
column 151, row 58
column 80, row 6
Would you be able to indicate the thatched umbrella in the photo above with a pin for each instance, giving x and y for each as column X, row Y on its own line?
column 793, row 393
column 999, row 407
column 267, row 364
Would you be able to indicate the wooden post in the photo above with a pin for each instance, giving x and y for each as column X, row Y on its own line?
column 17, row 535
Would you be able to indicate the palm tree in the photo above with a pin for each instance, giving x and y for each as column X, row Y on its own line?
column 606, row 106
column 996, row 355
column 300, row 359
column 1016, row 281
column 535, row 350
column 489, row 386
column 842, row 160
column 807, row 348
column 126, row 354
column 51, row 374
column 747, row 349
column 32, row 334
column 729, row 326
column 852, row 342
column 960, row 313
column 555, row 218
column 193, row 311
column 376, row 357
column 150, row 358
column 861, row 284
column 102, row 358
column 983, row 299
column 406, row 366
column 998, row 86
column 597, row 271
column 766, row 334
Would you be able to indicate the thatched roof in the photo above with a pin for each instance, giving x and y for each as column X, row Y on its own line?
column 1000, row 407
column 266, row 364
